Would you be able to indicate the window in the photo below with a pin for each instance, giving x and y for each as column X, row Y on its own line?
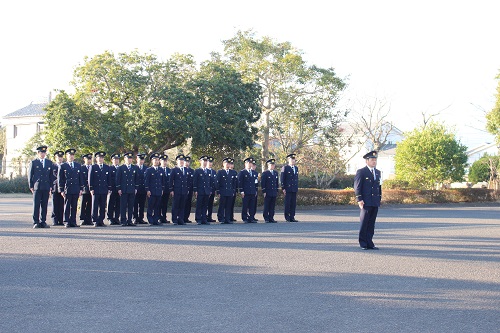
column 15, row 131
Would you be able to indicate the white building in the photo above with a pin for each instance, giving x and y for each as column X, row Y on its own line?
column 477, row 152
column 20, row 126
column 386, row 154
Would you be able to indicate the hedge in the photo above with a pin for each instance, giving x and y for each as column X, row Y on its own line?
column 316, row 197
column 14, row 185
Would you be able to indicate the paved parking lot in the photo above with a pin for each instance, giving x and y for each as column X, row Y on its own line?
column 437, row 270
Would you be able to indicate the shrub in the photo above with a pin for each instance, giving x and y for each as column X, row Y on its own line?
column 395, row 184
column 14, row 185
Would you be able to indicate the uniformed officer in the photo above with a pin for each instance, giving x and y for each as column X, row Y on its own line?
column 202, row 189
column 154, row 182
column 246, row 185
column 140, row 196
column 211, row 198
column 126, row 183
column 234, row 174
column 99, row 184
column 254, row 169
column 71, row 182
column 179, row 190
column 226, row 186
column 57, row 199
column 40, row 179
column 269, row 183
column 166, row 191
column 290, row 187
column 368, row 195
column 86, row 200
column 114, row 197
column 189, row 180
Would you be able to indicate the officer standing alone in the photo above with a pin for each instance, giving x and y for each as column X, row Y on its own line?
column 368, row 193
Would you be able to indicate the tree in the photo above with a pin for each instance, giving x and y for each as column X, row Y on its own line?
column 371, row 121
column 485, row 170
column 3, row 140
column 430, row 155
column 133, row 101
column 296, row 99
column 493, row 117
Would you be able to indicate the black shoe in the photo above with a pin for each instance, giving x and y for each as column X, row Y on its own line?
column 154, row 224
column 293, row 220
column 114, row 223
column 87, row 223
column 181, row 223
column 188, row 221
column 167, row 221
column 233, row 220
column 229, row 222
column 124, row 224
column 256, row 220
column 373, row 248
column 130, row 224
column 211, row 220
column 37, row 225
column 273, row 221
column 142, row 222
column 252, row 221
column 207, row 223
column 267, row 221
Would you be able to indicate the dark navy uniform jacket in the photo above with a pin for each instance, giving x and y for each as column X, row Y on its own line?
column 202, row 181
column 141, row 188
column 167, row 172
column 154, row 180
column 189, row 178
column 227, row 182
column 269, row 183
column 178, row 181
column 85, row 178
column 55, row 185
column 100, row 179
column 112, row 177
column 213, row 176
column 70, row 180
column 290, row 179
column 126, row 180
column 366, row 188
column 39, row 177
column 246, row 182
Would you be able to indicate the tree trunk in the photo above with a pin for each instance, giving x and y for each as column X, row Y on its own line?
column 265, row 141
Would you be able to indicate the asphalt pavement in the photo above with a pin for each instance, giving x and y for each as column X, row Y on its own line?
column 437, row 270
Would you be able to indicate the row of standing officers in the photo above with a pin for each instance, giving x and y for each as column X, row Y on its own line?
column 122, row 190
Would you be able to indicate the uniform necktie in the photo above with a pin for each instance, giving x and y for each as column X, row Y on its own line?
column 227, row 172
column 43, row 163
column 88, row 167
column 156, row 168
column 71, row 165
column 183, row 171
column 293, row 170
column 128, row 166
column 373, row 173
column 100, row 166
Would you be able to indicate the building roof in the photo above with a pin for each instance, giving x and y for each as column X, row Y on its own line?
column 31, row 110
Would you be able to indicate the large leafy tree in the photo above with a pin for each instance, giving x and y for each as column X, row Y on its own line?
column 493, row 117
column 297, row 100
column 430, row 155
column 133, row 101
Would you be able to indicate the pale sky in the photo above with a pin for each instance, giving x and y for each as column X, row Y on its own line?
column 421, row 56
